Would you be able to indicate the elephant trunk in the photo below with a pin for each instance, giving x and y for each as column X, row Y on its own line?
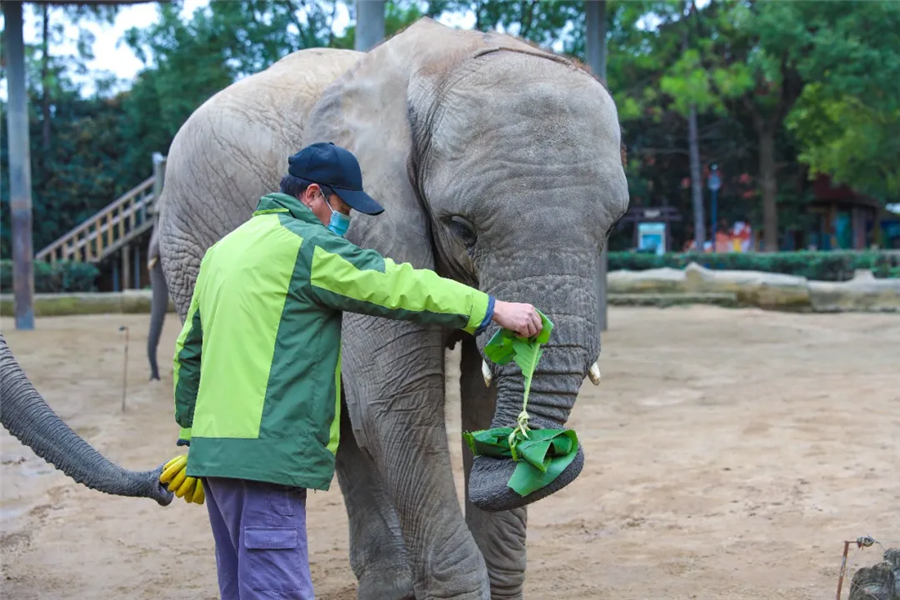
column 26, row 415
column 568, row 298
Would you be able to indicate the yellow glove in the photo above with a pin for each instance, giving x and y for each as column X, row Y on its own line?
column 175, row 474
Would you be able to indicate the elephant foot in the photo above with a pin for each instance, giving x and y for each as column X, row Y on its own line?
column 386, row 585
column 488, row 489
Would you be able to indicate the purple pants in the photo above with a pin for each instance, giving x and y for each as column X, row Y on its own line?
column 260, row 534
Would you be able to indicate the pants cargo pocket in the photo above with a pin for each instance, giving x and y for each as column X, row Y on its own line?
column 274, row 558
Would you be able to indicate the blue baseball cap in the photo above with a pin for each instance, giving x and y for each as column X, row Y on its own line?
column 336, row 168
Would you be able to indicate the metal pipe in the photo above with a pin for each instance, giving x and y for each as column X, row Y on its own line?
column 19, row 169
column 369, row 24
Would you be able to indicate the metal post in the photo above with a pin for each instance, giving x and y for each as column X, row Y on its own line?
column 126, row 267
column 714, row 184
column 369, row 24
column 137, row 267
column 159, row 178
column 595, row 13
column 19, row 169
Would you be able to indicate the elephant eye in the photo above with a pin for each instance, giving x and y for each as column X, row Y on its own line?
column 462, row 229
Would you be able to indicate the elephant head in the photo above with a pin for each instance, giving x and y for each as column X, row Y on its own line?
column 26, row 415
column 499, row 165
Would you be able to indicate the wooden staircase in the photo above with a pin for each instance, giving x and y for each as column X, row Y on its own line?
column 118, row 231
column 111, row 229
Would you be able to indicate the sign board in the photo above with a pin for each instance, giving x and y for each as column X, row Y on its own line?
column 652, row 237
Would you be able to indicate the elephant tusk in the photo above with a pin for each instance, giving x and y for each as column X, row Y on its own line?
column 486, row 373
column 594, row 374
column 151, row 263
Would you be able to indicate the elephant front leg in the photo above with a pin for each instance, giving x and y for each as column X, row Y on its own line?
column 500, row 535
column 395, row 373
column 377, row 553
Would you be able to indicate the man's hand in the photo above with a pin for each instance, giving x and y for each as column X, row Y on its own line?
column 521, row 318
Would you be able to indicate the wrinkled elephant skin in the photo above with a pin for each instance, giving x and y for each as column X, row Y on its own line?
column 499, row 165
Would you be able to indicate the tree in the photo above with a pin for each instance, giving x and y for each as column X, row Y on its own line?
column 847, row 119
column 757, row 58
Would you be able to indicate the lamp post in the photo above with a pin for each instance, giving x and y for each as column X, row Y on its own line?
column 714, row 183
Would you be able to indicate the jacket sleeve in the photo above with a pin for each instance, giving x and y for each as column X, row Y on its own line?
column 345, row 277
column 187, row 368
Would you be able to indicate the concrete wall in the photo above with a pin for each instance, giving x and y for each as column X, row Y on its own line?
column 49, row 305
column 655, row 287
column 772, row 291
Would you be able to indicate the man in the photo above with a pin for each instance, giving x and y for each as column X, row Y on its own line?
column 257, row 364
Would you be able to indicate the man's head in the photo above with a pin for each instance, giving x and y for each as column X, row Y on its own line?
column 327, row 180
column 320, row 199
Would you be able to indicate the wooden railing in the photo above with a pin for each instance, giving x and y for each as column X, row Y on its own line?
column 108, row 230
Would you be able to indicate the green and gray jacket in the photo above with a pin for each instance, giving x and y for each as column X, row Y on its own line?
column 258, row 362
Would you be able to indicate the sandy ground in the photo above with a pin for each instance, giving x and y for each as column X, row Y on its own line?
column 729, row 454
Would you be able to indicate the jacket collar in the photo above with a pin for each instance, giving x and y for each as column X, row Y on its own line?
column 279, row 203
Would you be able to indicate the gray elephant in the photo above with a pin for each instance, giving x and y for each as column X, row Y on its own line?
column 499, row 165
column 25, row 414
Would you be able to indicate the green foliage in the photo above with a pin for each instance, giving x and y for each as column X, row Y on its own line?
column 543, row 23
column 820, row 77
column 848, row 118
column 54, row 278
column 85, row 167
column 820, row 266
column 854, row 143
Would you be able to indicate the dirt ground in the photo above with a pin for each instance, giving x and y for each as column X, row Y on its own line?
column 729, row 454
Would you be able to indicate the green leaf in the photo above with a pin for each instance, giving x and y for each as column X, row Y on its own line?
column 500, row 347
column 526, row 355
column 540, row 458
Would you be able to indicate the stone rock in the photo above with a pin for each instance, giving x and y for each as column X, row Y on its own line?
column 725, row 299
column 89, row 303
column 754, row 288
column 880, row 581
column 860, row 294
column 651, row 281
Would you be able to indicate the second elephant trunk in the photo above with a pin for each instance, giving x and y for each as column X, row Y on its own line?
column 25, row 414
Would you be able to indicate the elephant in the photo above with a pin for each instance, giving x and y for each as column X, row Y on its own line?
column 28, row 417
column 500, row 165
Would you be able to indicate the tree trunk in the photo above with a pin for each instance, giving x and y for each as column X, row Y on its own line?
column 694, row 153
column 769, row 187
column 696, row 183
column 595, row 38
column 45, row 81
